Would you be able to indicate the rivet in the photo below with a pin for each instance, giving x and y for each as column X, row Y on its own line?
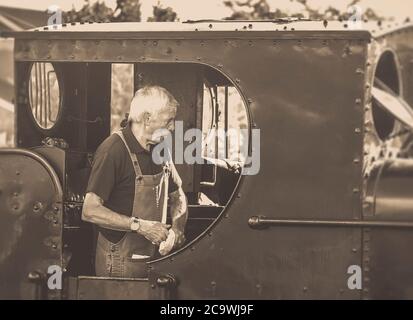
column 358, row 101
column 305, row 289
column 56, row 209
column 198, row 58
column 237, row 80
column 249, row 100
column 357, row 130
column 15, row 194
column 17, row 173
column 356, row 190
column 354, row 250
column 54, row 246
column 220, row 66
column 239, row 195
column 356, row 160
column 359, row 71
column 155, row 43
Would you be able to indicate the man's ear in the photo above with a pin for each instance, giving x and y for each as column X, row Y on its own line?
column 146, row 117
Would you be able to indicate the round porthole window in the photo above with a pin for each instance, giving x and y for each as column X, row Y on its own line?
column 44, row 94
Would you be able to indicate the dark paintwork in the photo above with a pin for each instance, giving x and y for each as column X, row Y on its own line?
column 306, row 91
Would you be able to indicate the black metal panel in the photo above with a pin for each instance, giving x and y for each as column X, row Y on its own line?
column 311, row 150
column 31, row 224
column 92, row 288
column 98, row 104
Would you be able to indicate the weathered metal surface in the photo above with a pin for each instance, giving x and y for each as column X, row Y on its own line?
column 309, row 93
column 387, row 263
column 90, row 288
column 310, row 169
column 302, row 29
column 31, row 223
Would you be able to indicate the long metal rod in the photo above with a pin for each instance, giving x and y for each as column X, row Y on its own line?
column 41, row 93
column 226, row 123
column 264, row 222
column 45, row 94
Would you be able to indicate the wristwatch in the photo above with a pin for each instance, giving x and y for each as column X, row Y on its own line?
column 134, row 224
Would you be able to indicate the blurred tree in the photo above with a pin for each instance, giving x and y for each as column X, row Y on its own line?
column 163, row 14
column 97, row 12
column 261, row 10
column 127, row 11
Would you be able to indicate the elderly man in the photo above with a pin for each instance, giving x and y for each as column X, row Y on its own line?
column 126, row 196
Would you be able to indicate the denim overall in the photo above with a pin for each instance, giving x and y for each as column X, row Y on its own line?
column 127, row 258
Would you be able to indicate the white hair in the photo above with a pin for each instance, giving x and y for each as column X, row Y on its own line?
column 152, row 100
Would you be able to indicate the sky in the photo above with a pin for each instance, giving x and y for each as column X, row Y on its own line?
column 214, row 9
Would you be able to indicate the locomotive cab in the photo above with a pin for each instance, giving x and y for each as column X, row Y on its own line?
column 333, row 190
column 70, row 108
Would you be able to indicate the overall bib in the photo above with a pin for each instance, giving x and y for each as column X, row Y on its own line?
column 127, row 258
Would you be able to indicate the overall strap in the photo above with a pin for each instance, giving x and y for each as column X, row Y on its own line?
column 132, row 155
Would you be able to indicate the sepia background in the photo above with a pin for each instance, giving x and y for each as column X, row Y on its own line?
column 21, row 15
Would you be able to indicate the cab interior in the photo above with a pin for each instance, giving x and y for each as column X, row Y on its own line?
column 72, row 107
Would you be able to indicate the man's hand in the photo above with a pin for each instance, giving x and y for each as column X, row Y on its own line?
column 179, row 238
column 154, row 231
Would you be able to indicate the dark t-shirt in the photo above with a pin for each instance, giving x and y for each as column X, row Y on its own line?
column 113, row 178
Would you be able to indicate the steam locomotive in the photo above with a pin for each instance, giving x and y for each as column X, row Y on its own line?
column 334, row 190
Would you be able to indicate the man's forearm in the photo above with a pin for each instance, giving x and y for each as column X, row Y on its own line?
column 94, row 212
column 111, row 220
column 179, row 209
